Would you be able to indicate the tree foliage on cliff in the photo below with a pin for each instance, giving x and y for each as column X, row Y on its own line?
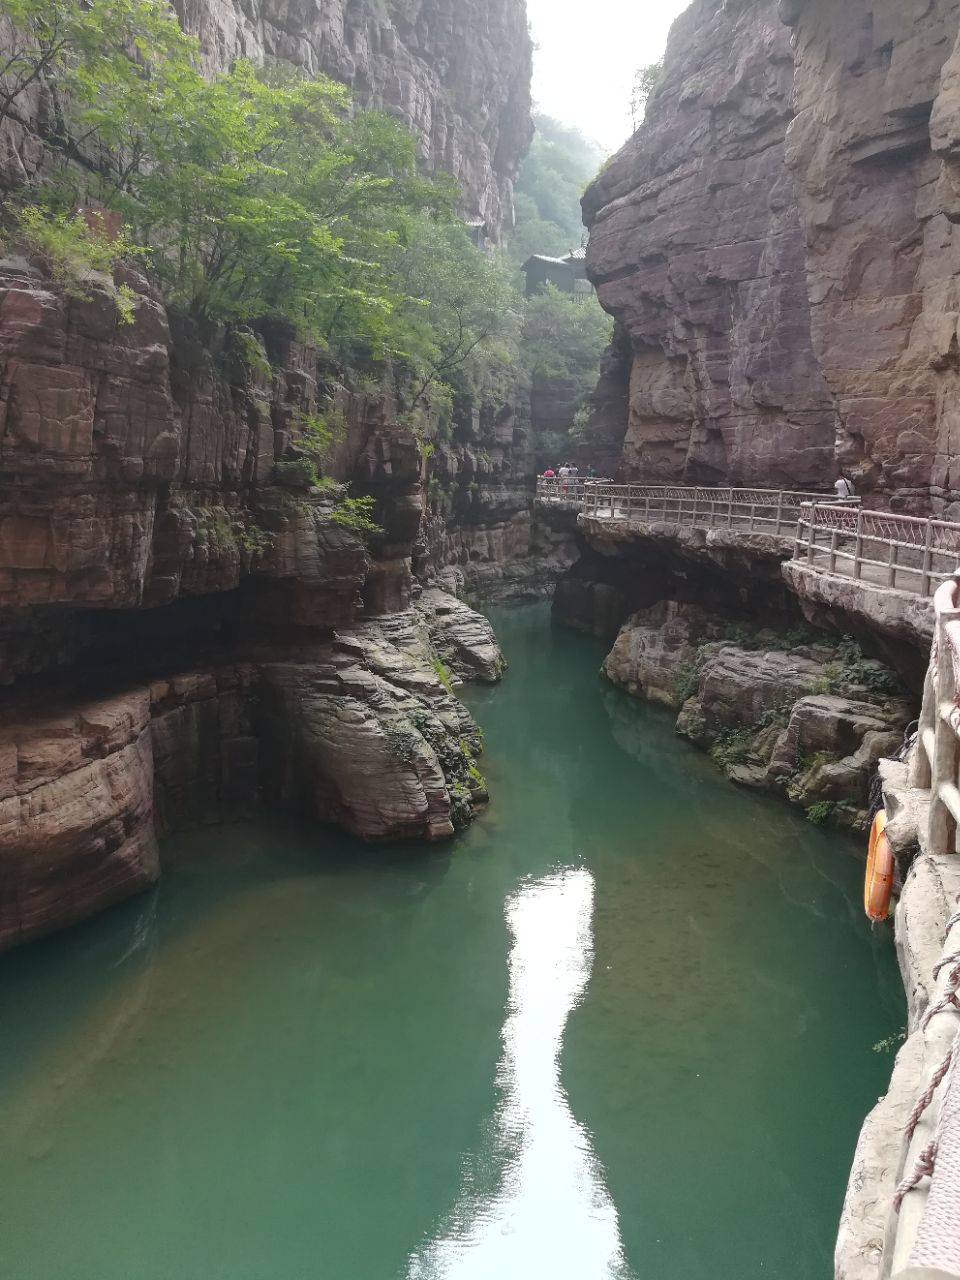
column 255, row 194
column 644, row 83
column 461, row 320
column 564, row 338
column 83, row 52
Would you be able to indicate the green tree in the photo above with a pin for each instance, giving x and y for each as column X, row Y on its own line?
column 258, row 194
column 564, row 338
column 461, row 318
column 644, row 83
column 255, row 193
column 81, row 51
column 271, row 198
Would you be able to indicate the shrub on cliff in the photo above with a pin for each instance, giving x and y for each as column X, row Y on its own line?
column 77, row 253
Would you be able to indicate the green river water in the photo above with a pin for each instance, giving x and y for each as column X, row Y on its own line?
column 621, row 1029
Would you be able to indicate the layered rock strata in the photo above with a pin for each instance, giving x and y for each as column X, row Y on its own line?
column 797, row 718
column 696, row 248
column 872, row 151
column 76, row 813
column 485, row 538
column 622, row 569
column 778, row 245
column 162, row 546
column 360, row 731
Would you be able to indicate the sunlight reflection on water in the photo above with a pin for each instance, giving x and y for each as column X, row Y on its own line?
column 533, row 1199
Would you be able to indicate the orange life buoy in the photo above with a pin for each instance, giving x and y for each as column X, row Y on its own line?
column 878, row 885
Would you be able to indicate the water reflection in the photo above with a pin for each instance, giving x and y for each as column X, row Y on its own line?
column 533, row 1201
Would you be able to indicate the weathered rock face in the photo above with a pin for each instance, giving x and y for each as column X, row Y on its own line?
column 359, row 731
column 778, row 243
column 872, row 151
column 783, row 716
column 371, row 739
column 153, row 545
column 76, row 814
column 457, row 71
column 461, row 638
column 622, row 570
column 484, row 537
column 135, row 471
column 162, row 542
column 696, row 248
column 139, row 468
column 656, row 649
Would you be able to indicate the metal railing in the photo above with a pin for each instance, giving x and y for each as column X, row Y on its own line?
column 907, row 553
column 773, row 511
column 569, row 490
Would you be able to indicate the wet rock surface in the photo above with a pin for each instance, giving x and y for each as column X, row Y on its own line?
column 359, row 731
column 76, row 814
column 810, row 721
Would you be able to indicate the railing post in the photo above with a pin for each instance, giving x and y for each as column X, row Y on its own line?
column 811, row 540
column 858, row 547
column 779, row 509
column 753, row 512
column 943, row 829
column 834, row 534
column 730, row 509
column 892, row 565
column 927, row 560
column 693, row 519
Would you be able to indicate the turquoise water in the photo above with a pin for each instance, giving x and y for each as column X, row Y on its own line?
column 623, row 1028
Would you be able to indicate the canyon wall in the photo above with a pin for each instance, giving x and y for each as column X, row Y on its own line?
column 777, row 242
column 456, row 71
column 191, row 628
column 187, row 631
column 696, row 248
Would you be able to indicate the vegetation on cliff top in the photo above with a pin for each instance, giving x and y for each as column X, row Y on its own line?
column 255, row 195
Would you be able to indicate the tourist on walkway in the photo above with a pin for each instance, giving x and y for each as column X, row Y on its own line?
column 844, row 487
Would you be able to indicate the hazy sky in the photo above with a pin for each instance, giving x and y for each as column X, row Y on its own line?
column 587, row 55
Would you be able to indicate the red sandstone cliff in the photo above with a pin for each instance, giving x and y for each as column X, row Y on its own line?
column 186, row 633
column 778, row 243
